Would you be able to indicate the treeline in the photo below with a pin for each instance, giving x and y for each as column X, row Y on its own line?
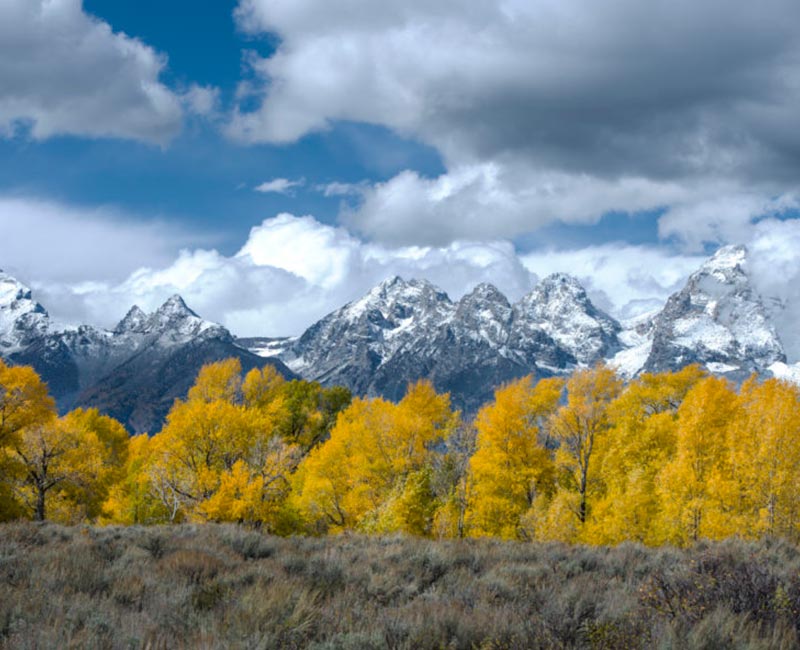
column 666, row 458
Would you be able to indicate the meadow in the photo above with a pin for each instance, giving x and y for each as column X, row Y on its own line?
column 229, row 586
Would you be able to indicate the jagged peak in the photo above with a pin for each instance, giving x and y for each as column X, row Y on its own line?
column 175, row 305
column 133, row 321
column 485, row 291
column 396, row 288
column 561, row 280
column 556, row 288
column 12, row 289
column 727, row 264
column 391, row 282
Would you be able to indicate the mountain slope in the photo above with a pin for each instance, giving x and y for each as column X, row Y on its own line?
column 402, row 331
column 134, row 372
column 717, row 320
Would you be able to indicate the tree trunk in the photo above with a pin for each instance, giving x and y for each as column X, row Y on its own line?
column 40, row 504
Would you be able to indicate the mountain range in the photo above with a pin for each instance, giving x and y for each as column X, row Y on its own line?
column 401, row 331
column 404, row 330
column 133, row 372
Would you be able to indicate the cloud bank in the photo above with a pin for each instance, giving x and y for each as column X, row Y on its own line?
column 542, row 111
column 64, row 72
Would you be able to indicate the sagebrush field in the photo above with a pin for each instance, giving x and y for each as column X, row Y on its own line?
column 225, row 586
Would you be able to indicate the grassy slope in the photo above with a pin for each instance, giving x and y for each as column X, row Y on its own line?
column 227, row 587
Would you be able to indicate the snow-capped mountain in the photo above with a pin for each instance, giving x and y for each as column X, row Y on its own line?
column 22, row 319
column 401, row 331
column 133, row 372
column 559, row 308
column 405, row 330
column 717, row 320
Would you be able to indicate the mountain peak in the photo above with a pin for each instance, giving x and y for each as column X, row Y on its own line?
column 560, row 283
column 485, row 292
column 727, row 264
column 133, row 321
column 175, row 306
column 391, row 283
column 717, row 319
column 559, row 306
column 22, row 319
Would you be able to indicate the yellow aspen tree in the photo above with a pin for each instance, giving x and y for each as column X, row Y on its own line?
column 450, row 477
column 114, row 439
column 349, row 480
column 579, row 427
column 134, row 499
column 219, row 381
column 638, row 445
column 53, row 461
column 764, row 440
column 510, row 467
column 696, row 488
column 24, row 402
column 261, row 387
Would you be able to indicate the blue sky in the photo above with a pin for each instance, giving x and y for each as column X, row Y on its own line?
column 462, row 142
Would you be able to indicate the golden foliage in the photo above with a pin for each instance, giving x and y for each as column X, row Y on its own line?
column 667, row 458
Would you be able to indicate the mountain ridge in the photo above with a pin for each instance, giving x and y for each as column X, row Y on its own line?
column 404, row 330
column 134, row 371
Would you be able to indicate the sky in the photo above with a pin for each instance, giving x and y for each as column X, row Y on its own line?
column 270, row 160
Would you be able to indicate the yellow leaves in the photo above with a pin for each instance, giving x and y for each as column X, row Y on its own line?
column 63, row 468
column 695, row 484
column 510, row 467
column 374, row 448
column 24, row 400
column 262, row 387
column 221, row 381
column 670, row 457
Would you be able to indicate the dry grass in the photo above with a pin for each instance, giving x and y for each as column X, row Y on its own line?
column 228, row 587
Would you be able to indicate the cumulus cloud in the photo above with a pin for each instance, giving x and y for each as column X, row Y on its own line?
column 63, row 71
column 495, row 199
column 722, row 219
column 541, row 110
column 625, row 280
column 279, row 186
column 203, row 101
column 290, row 272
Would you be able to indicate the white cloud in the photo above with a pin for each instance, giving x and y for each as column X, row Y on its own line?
column 495, row 200
column 623, row 279
column 279, row 186
column 290, row 272
column 342, row 189
column 46, row 241
column 542, row 111
column 203, row 101
column 722, row 219
column 63, row 71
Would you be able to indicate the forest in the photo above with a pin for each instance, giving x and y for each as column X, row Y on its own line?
column 667, row 458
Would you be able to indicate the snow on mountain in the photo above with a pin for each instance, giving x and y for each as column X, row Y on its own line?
column 402, row 330
column 133, row 372
column 22, row 319
column 636, row 341
column 349, row 344
column 559, row 307
column 717, row 320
